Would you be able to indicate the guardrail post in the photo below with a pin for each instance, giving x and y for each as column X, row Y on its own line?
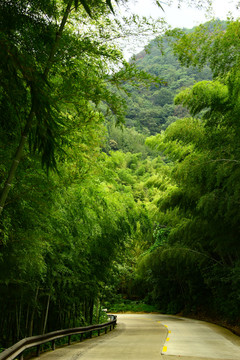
column 90, row 335
column 105, row 329
column 99, row 331
column 21, row 356
column 53, row 345
column 81, row 338
column 38, row 351
column 69, row 339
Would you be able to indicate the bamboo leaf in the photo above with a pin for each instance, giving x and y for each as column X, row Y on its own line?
column 85, row 5
column 158, row 4
column 110, row 5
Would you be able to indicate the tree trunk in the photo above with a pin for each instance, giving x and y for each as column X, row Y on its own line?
column 57, row 39
column 33, row 313
column 16, row 160
column 26, row 323
column 46, row 314
column 97, row 310
column 18, row 319
column 74, row 315
column 91, row 311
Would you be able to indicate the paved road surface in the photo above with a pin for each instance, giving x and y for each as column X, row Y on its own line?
column 155, row 337
column 187, row 337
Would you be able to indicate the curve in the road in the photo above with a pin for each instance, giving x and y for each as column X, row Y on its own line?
column 188, row 337
column 155, row 337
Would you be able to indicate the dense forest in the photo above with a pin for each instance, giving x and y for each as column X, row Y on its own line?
column 153, row 108
column 120, row 180
column 193, row 261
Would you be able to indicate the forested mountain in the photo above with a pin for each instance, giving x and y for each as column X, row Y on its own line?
column 153, row 108
column 89, row 212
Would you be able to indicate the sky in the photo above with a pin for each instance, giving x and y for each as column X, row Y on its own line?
column 185, row 17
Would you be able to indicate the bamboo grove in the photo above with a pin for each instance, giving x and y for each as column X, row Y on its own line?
column 65, row 215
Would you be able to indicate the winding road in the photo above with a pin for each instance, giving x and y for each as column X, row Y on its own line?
column 154, row 337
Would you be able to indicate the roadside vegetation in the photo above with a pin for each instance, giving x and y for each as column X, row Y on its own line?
column 120, row 181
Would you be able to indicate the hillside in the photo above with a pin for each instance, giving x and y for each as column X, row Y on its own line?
column 153, row 108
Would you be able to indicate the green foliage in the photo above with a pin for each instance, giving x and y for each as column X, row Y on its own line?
column 193, row 268
column 210, row 95
column 191, row 262
column 52, row 69
column 213, row 43
column 168, row 287
column 62, row 243
column 61, row 233
column 152, row 108
column 127, row 140
column 151, row 224
column 131, row 306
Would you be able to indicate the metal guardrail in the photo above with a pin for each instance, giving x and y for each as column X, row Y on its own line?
column 17, row 349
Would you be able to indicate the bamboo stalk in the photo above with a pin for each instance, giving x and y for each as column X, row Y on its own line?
column 16, row 160
column 46, row 314
column 33, row 313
